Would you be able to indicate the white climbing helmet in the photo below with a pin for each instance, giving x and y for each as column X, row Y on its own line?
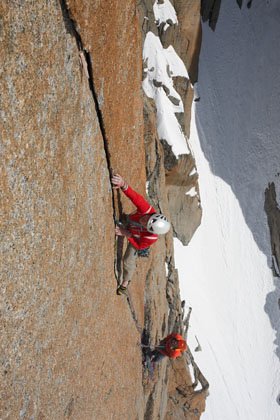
column 158, row 223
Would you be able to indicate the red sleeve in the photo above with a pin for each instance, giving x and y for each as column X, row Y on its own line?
column 140, row 243
column 175, row 353
column 142, row 205
column 134, row 242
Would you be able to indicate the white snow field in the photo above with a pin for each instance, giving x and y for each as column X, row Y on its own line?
column 225, row 273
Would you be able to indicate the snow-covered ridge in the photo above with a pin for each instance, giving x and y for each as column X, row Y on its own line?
column 162, row 65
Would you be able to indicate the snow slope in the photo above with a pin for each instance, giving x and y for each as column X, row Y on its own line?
column 224, row 272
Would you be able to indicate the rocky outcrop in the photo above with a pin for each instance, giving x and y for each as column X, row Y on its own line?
column 210, row 10
column 272, row 210
column 163, row 312
column 248, row 3
column 72, row 112
column 273, row 217
column 183, row 401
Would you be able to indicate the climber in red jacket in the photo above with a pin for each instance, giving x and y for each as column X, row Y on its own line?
column 141, row 229
column 171, row 346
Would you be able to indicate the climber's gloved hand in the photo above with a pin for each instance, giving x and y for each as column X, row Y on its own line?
column 119, row 182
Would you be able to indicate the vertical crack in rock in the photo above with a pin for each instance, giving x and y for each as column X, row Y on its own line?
column 85, row 56
column 71, row 27
column 133, row 314
column 149, row 406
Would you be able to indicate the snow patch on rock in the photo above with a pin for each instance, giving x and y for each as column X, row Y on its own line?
column 192, row 192
column 165, row 13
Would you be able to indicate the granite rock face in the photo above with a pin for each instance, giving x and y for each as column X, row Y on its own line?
column 72, row 112
column 58, row 300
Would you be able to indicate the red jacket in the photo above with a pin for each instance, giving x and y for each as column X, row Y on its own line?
column 168, row 351
column 141, row 237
